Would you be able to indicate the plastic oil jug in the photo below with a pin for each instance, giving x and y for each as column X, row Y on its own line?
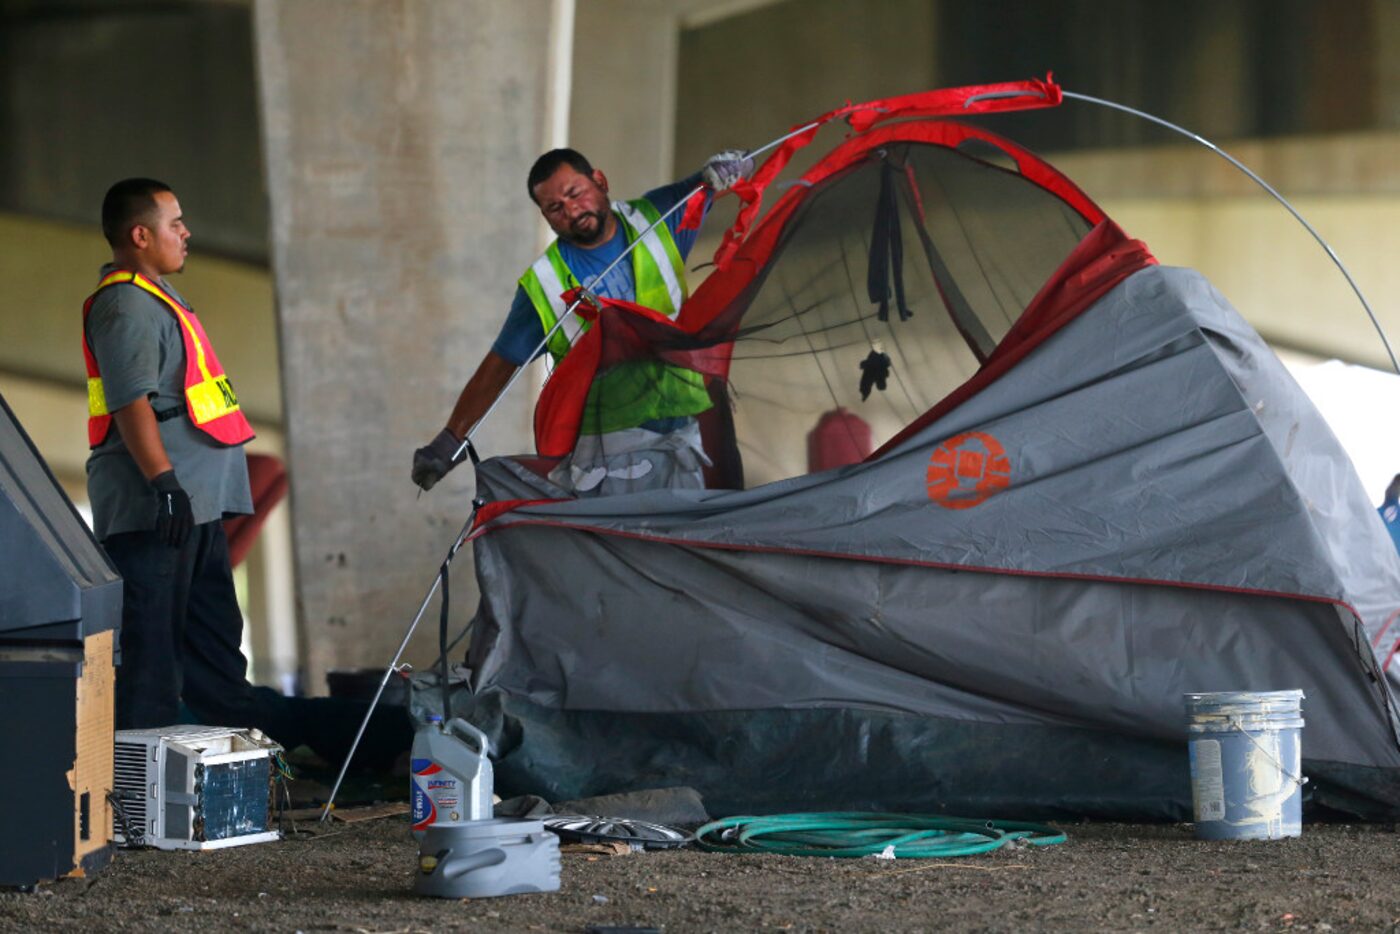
column 450, row 781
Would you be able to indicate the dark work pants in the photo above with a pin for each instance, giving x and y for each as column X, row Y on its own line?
column 180, row 638
column 181, row 627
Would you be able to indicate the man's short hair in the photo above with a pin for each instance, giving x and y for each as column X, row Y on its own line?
column 128, row 202
column 547, row 164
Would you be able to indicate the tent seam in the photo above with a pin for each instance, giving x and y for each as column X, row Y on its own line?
column 909, row 562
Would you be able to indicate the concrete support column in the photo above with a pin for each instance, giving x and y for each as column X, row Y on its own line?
column 397, row 137
column 623, row 110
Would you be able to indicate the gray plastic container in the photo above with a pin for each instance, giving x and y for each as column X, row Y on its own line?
column 483, row 859
column 1246, row 764
column 450, row 780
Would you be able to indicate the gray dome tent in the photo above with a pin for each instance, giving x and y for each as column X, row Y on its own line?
column 1094, row 490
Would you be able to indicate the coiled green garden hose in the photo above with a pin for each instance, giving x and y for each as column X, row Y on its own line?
column 854, row 833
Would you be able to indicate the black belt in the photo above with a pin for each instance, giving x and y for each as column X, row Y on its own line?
column 168, row 414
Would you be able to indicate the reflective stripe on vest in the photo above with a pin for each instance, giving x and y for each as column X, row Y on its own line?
column 665, row 258
column 210, row 402
column 658, row 275
column 546, row 290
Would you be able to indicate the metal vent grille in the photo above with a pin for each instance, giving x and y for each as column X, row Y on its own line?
column 129, row 774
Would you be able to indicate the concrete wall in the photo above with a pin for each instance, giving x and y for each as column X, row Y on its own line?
column 622, row 109
column 396, row 135
column 748, row 79
column 1243, row 68
column 1194, row 209
column 93, row 91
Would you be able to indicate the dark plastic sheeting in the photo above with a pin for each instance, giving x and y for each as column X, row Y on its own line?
column 772, row 761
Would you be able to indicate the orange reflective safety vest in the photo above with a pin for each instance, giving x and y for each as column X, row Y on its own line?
column 210, row 402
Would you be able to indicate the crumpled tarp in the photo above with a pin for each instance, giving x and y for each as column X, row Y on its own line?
column 1176, row 517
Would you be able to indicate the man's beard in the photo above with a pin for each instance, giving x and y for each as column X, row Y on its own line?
column 584, row 237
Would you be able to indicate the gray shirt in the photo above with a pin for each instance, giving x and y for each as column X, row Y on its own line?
column 136, row 340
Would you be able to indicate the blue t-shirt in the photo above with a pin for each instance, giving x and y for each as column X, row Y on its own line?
column 523, row 332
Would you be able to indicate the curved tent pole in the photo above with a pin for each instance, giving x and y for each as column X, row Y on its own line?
column 1262, row 184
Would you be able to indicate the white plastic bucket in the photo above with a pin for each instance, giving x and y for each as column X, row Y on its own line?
column 1246, row 764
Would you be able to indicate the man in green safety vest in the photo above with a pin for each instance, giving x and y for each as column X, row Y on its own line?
column 639, row 428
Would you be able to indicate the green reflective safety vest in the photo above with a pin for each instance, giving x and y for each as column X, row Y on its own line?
column 639, row 391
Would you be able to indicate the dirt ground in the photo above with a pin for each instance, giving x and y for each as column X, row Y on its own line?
column 355, row 877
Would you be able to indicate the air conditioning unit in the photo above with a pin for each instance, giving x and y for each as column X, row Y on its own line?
column 193, row 787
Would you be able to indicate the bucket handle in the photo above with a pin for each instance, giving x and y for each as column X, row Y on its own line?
column 465, row 730
column 1299, row 780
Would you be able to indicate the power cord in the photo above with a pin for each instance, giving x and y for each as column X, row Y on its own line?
column 132, row 837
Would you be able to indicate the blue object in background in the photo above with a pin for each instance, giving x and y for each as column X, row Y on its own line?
column 1390, row 515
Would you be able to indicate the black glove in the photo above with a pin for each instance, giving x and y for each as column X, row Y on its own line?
column 432, row 462
column 174, row 516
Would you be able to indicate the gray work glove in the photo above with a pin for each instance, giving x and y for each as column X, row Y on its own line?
column 174, row 514
column 723, row 169
column 432, row 461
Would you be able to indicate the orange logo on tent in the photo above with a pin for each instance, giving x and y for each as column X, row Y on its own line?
column 967, row 470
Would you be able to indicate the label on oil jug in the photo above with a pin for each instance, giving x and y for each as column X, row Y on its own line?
column 434, row 793
column 1207, row 780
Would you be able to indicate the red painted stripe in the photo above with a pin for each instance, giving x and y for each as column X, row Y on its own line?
column 1393, row 649
column 1376, row 642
